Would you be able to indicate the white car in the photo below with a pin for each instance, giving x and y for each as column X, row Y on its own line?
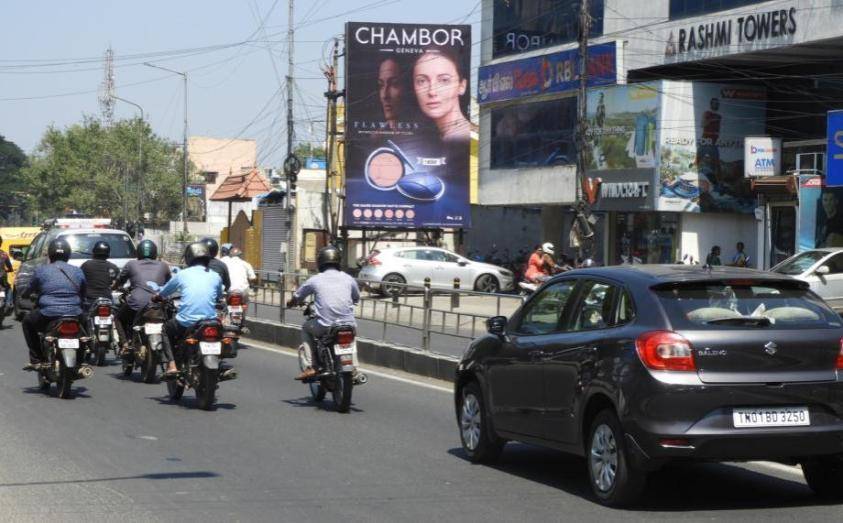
column 822, row 269
column 411, row 265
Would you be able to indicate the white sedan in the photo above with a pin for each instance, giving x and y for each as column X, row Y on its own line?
column 822, row 269
column 411, row 265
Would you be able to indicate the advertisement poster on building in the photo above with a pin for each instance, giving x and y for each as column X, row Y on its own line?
column 702, row 133
column 762, row 156
column 407, row 125
column 622, row 127
column 196, row 202
column 820, row 214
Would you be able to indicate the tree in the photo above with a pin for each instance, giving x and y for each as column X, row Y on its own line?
column 13, row 207
column 94, row 169
column 307, row 150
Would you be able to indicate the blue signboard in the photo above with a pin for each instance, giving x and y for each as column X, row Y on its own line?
column 553, row 73
column 834, row 155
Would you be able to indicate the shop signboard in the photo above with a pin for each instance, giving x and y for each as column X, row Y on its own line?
column 762, row 156
column 407, row 128
column 552, row 73
column 701, row 135
column 834, row 158
column 820, row 214
column 620, row 190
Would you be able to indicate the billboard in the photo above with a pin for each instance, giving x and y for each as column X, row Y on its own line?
column 702, row 131
column 195, row 202
column 762, row 156
column 407, row 125
column 834, row 158
column 820, row 214
column 552, row 73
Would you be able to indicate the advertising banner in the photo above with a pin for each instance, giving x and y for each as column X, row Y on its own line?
column 553, row 73
column 762, row 156
column 820, row 214
column 702, row 131
column 834, row 158
column 407, row 127
column 195, row 202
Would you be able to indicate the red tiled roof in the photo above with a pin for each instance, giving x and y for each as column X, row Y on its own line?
column 242, row 187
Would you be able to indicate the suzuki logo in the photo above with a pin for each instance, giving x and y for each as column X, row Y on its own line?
column 591, row 188
column 771, row 348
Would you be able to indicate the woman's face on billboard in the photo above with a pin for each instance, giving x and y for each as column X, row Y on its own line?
column 389, row 88
column 438, row 85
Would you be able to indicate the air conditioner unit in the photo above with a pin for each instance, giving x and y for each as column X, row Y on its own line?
column 810, row 163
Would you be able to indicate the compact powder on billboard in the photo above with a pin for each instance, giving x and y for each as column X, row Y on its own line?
column 384, row 169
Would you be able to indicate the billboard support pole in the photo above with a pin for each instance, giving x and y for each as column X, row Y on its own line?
column 582, row 122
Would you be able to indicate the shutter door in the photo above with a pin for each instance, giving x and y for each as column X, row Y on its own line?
column 276, row 231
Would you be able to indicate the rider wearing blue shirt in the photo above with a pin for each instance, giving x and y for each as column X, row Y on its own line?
column 199, row 288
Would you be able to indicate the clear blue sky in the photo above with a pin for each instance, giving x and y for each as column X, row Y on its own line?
column 228, row 87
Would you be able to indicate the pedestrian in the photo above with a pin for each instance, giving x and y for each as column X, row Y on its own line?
column 713, row 257
column 740, row 259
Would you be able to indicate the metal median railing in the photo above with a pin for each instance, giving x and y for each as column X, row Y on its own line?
column 431, row 318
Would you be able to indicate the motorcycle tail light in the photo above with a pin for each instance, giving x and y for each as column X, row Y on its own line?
column 665, row 350
column 103, row 310
column 345, row 337
column 191, row 341
column 840, row 356
column 235, row 299
column 68, row 328
column 210, row 332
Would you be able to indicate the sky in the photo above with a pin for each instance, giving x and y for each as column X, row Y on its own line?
column 235, row 53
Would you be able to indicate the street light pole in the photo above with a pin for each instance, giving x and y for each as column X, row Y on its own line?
column 140, row 154
column 184, row 146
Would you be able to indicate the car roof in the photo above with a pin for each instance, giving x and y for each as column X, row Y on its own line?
column 87, row 230
column 650, row 275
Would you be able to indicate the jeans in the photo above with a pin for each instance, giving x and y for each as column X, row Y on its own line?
column 125, row 322
column 172, row 341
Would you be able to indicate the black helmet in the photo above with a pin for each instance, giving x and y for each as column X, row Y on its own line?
column 328, row 257
column 147, row 250
column 225, row 249
column 213, row 246
column 101, row 250
column 59, row 249
column 197, row 253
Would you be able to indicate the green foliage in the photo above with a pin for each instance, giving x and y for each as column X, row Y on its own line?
column 307, row 150
column 95, row 169
column 12, row 200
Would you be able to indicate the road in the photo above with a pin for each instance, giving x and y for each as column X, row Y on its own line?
column 122, row 452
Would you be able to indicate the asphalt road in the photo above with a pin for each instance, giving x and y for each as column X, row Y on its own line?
column 122, row 452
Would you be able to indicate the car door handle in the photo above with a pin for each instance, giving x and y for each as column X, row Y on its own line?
column 536, row 355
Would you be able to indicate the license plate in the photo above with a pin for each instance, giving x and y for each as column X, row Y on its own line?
column 771, row 417
column 340, row 350
column 2, row 295
column 209, row 348
column 235, row 308
column 153, row 328
column 68, row 343
column 102, row 320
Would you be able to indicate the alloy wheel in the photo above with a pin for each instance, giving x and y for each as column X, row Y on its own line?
column 487, row 283
column 604, row 457
column 470, row 421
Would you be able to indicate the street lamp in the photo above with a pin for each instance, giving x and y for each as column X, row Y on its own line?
column 184, row 146
column 140, row 159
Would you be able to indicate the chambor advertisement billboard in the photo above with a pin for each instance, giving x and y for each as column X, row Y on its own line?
column 408, row 132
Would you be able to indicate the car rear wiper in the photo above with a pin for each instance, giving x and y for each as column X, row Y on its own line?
column 758, row 321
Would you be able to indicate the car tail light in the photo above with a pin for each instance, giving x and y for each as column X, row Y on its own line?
column 840, row 356
column 345, row 337
column 68, row 328
column 373, row 259
column 103, row 310
column 235, row 299
column 210, row 332
column 665, row 350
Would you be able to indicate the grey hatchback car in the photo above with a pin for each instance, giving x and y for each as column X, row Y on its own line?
column 633, row 367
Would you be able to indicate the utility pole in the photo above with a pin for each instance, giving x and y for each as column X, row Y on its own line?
column 331, row 142
column 140, row 153
column 106, row 97
column 582, row 212
column 291, row 176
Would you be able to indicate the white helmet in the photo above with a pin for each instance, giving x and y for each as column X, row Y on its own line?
column 548, row 248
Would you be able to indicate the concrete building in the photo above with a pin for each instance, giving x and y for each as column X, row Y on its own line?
column 676, row 87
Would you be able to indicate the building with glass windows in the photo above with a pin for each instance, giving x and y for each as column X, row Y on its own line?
column 705, row 120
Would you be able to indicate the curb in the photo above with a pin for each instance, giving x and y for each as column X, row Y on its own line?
column 413, row 361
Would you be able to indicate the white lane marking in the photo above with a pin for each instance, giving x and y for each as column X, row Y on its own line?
column 295, row 354
column 779, row 467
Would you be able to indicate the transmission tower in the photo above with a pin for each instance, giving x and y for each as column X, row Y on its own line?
column 106, row 94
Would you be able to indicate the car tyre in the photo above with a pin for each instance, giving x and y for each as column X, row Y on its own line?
column 479, row 441
column 824, row 476
column 613, row 477
column 393, row 290
column 487, row 283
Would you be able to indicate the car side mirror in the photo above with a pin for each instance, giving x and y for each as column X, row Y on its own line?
column 822, row 270
column 496, row 325
column 17, row 255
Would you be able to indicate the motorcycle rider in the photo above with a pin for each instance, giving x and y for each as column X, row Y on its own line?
column 61, row 291
column 139, row 273
column 215, row 264
column 240, row 271
column 336, row 294
column 5, row 269
column 200, row 288
column 541, row 264
column 99, row 273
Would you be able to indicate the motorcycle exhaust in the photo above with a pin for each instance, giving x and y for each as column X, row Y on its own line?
column 228, row 374
column 85, row 372
column 360, row 378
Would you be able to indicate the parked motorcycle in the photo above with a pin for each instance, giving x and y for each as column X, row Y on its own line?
column 101, row 327
column 64, row 344
column 337, row 351
column 147, row 342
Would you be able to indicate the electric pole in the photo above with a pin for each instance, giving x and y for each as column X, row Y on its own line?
column 291, row 161
column 106, row 95
column 581, row 222
column 331, row 95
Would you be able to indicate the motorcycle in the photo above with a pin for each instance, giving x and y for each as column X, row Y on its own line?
column 231, row 316
column 199, row 368
column 147, row 343
column 64, row 345
column 101, row 325
column 337, row 351
column 4, row 311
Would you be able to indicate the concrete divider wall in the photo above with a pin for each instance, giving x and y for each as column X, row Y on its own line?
column 405, row 359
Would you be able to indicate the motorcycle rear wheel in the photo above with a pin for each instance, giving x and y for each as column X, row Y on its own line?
column 149, row 366
column 342, row 391
column 317, row 391
column 99, row 356
column 206, row 388
column 65, row 381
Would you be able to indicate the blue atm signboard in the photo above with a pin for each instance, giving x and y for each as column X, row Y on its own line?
column 834, row 155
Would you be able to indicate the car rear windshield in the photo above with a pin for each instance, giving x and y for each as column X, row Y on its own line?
column 799, row 263
column 81, row 244
column 718, row 305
